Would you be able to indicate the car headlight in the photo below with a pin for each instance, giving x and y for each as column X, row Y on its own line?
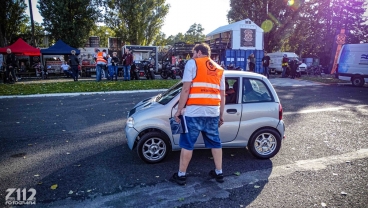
column 130, row 122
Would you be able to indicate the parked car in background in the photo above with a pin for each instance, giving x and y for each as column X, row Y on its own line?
column 252, row 119
column 276, row 61
column 353, row 63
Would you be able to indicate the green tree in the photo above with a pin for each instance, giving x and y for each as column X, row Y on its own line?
column 25, row 31
column 305, row 27
column 137, row 23
column 12, row 14
column 161, row 40
column 69, row 20
column 195, row 34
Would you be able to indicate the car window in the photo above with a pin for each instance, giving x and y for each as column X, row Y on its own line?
column 255, row 90
column 168, row 95
column 231, row 92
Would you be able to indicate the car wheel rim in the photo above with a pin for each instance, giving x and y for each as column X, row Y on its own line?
column 154, row 149
column 265, row 144
column 357, row 82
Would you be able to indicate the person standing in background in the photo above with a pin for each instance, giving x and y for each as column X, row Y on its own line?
column 106, row 71
column 294, row 64
column 74, row 62
column 284, row 64
column 127, row 62
column 252, row 62
column 100, row 64
column 114, row 65
column 11, row 63
column 265, row 63
column 109, row 67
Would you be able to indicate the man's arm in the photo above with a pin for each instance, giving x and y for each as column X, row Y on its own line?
column 184, row 94
column 222, row 107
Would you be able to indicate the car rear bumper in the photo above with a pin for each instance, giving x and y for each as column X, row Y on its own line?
column 131, row 134
column 281, row 128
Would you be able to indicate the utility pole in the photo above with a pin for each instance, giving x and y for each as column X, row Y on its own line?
column 32, row 23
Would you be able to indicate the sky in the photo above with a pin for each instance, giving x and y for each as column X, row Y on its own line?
column 211, row 14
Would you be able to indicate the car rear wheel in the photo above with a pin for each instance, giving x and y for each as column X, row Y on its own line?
column 357, row 81
column 265, row 143
column 153, row 147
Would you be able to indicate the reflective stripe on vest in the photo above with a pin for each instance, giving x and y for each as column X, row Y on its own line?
column 205, row 89
column 100, row 57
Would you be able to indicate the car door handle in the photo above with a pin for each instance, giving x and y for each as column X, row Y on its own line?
column 231, row 111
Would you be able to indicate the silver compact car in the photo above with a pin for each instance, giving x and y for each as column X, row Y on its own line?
column 252, row 118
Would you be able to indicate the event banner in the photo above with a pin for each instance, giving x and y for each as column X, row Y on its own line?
column 248, row 37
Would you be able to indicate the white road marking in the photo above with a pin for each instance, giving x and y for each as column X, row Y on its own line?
column 197, row 189
column 344, row 107
column 313, row 110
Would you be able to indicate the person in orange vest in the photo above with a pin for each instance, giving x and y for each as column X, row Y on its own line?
column 203, row 96
column 101, row 62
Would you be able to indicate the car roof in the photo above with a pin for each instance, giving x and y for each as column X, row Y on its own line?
column 235, row 73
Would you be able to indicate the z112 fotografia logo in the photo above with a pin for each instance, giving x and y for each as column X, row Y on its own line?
column 17, row 196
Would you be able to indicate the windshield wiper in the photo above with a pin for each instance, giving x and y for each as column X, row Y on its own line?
column 158, row 97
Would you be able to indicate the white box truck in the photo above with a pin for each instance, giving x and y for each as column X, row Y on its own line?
column 276, row 61
column 352, row 63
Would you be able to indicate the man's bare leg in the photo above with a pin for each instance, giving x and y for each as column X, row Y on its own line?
column 217, row 157
column 185, row 157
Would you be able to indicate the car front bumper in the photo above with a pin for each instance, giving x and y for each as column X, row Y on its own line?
column 131, row 134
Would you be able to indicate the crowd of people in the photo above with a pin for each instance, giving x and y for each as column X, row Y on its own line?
column 107, row 66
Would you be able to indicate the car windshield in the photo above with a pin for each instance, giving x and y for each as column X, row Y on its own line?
column 167, row 96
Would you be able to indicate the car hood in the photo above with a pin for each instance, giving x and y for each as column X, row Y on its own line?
column 144, row 104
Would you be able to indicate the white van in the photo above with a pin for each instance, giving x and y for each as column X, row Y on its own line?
column 353, row 63
column 276, row 61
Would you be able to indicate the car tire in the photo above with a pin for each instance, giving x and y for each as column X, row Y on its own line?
column 357, row 81
column 153, row 147
column 265, row 143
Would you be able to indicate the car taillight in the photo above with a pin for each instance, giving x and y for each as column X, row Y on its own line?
column 280, row 111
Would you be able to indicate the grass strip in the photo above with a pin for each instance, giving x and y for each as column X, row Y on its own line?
column 23, row 88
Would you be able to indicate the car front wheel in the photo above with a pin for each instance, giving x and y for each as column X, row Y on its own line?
column 153, row 147
column 265, row 143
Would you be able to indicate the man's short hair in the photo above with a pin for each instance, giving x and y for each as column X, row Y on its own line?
column 204, row 48
column 104, row 50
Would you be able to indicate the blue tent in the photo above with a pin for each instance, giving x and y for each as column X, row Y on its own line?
column 59, row 48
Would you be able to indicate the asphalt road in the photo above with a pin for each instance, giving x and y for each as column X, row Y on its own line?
column 77, row 143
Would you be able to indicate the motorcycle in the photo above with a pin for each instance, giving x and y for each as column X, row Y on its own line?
column 148, row 70
column 180, row 68
column 134, row 72
column 168, row 70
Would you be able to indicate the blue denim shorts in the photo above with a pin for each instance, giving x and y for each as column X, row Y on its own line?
column 209, row 128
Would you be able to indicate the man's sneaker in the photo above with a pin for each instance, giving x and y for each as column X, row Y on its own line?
column 219, row 178
column 181, row 180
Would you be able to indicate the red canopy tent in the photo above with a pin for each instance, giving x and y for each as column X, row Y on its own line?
column 21, row 47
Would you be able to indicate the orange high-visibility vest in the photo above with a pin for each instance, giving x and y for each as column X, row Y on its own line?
column 205, row 89
column 100, row 57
